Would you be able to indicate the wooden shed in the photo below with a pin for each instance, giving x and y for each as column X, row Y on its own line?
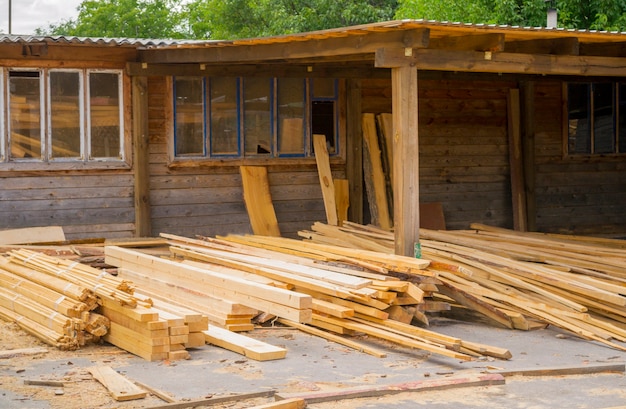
column 515, row 127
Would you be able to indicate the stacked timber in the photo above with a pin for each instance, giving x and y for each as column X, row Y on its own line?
column 337, row 293
column 518, row 280
column 68, row 304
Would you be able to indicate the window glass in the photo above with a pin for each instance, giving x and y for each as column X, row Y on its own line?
column 291, row 101
column 257, row 116
column 25, row 114
column 579, row 132
column 189, row 109
column 622, row 118
column 603, row 126
column 104, row 115
column 224, row 117
column 65, row 109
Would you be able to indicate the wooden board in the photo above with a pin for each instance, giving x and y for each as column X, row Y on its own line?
column 118, row 386
column 31, row 235
column 375, row 176
column 258, row 200
column 342, row 199
column 243, row 345
column 326, row 178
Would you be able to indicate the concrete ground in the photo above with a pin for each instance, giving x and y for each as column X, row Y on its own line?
column 316, row 365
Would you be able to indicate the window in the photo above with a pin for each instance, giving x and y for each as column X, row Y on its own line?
column 61, row 115
column 596, row 114
column 227, row 117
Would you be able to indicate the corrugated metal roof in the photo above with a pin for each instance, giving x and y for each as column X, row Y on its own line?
column 438, row 28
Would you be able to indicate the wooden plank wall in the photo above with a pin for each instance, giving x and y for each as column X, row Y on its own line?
column 85, row 205
column 209, row 200
column 463, row 146
column 573, row 195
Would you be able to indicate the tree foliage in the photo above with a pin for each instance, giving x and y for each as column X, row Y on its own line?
column 578, row 14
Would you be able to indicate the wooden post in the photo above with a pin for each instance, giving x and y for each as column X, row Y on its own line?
column 516, row 161
column 354, row 155
column 528, row 144
column 143, row 224
column 405, row 159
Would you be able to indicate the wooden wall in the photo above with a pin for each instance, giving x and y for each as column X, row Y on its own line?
column 86, row 205
column 573, row 195
column 463, row 146
column 209, row 200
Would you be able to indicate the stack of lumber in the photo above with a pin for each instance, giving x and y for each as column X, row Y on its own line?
column 518, row 280
column 67, row 304
column 337, row 294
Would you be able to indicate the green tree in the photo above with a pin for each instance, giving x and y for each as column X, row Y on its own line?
column 577, row 14
column 230, row 19
column 124, row 18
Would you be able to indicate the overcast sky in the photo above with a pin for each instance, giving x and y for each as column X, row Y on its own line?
column 31, row 14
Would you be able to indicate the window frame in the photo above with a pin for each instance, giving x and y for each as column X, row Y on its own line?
column 615, row 116
column 211, row 159
column 46, row 161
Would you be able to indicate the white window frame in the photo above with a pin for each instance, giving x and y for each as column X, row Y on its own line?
column 42, row 123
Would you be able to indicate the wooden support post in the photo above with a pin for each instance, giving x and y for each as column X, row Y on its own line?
column 141, row 138
column 528, row 114
column 516, row 161
column 405, row 159
column 354, row 156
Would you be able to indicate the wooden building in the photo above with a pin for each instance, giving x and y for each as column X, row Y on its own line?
column 515, row 127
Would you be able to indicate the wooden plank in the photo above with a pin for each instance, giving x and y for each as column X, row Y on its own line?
column 354, row 149
column 258, row 200
column 367, row 391
column 342, row 199
column 375, row 176
column 563, row 370
column 120, row 388
column 518, row 184
column 32, row 235
column 215, row 400
column 13, row 353
column 291, row 403
column 243, row 345
column 326, row 178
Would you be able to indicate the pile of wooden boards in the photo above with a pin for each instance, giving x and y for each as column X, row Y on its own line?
column 68, row 304
column 518, row 280
column 336, row 295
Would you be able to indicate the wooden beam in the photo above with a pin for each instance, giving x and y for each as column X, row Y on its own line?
column 120, row 388
column 405, row 160
column 558, row 46
column 474, row 61
column 258, row 200
column 516, row 160
column 354, row 149
column 528, row 152
column 314, row 48
column 617, row 49
column 375, row 175
column 326, row 178
column 241, row 344
column 479, row 42
column 141, row 137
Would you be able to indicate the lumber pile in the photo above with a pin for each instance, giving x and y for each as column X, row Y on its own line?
column 68, row 305
column 518, row 280
column 328, row 291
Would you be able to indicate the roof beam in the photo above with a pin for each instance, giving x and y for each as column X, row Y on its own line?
column 478, row 42
column 514, row 63
column 557, row 46
column 308, row 48
column 617, row 49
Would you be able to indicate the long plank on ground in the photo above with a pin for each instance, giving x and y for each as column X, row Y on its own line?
column 118, row 386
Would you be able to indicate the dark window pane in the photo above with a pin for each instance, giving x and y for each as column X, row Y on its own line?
column 579, row 132
column 104, row 115
column 65, row 109
column 189, row 117
column 323, row 121
column 622, row 118
column 25, row 114
column 257, row 116
column 603, row 125
column 224, row 117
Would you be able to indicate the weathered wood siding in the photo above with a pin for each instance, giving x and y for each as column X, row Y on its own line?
column 86, row 205
column 209, row 200
column 464, row 161
column 573, row 195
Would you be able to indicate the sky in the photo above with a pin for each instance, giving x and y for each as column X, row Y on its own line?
column 27, row 15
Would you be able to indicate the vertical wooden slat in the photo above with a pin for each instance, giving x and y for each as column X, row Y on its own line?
column 374, row 175
column 143, row 227
column 326, row 178
column 516, row 160
column 528, row 144
column 354, row 155
column 405, row 159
